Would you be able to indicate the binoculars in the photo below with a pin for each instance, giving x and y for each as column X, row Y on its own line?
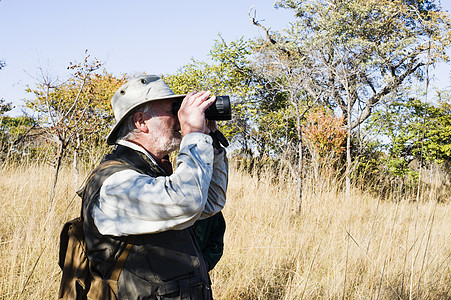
column 220, row 109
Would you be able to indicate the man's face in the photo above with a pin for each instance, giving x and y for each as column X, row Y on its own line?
column 164, row 127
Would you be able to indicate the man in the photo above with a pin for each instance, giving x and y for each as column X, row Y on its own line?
column 139, row 201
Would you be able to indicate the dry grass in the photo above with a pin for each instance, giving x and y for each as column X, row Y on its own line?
column 357, row 248
column 29, row 230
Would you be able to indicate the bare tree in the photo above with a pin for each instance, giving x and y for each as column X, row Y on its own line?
column 65, row 110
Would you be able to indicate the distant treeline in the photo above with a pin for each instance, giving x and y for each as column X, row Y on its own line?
column 343, row 91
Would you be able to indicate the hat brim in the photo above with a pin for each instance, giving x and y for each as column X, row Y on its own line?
column 112, row 136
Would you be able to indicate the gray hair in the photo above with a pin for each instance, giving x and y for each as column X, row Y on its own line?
column 128, row 130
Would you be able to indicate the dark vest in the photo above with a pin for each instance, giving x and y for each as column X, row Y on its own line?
column 166, row 265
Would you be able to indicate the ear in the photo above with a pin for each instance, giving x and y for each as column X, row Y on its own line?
column 139, row 119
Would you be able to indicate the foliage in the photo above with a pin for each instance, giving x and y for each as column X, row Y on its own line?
column 416, row 131
column 78, row 108
column 5, row 107
column 358, row 52
column 76, row 112
column 408, row 136
column 347, row 56
column 351, row 56
column 15, row 126
column 229, row 73
column 324, row 134
column 261, row 125
column 12, row 133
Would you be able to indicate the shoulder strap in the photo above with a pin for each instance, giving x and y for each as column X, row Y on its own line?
column 122, row 258
column 103, row 165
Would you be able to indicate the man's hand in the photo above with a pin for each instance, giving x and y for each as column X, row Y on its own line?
column 192, row 111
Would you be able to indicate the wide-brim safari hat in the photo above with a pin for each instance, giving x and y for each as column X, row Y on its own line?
column 134, row 93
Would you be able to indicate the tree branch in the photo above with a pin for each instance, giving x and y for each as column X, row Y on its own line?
column 385, row 91
column 268, row 34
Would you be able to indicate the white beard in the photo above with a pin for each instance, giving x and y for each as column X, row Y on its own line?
column 172, row 145
column 164, row 138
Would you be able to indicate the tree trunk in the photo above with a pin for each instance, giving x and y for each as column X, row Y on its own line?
column 56, row 170
column 348, row 153
column 75, row 162
column 299, row 184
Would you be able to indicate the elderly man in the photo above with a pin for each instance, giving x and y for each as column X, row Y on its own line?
column 135, row 201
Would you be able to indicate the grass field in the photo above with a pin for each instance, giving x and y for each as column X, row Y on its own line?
column 335, row 248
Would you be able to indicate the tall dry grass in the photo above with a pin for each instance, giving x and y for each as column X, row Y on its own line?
column 335, row 248
column 29, row 230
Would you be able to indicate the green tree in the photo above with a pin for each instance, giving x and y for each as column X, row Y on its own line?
column 229, row 74
column 4, row 108
column 260, row 126
column 419, row 131
column 13, row 135
column 354, row 55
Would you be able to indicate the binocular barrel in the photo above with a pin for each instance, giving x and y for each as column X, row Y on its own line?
column 220, row 109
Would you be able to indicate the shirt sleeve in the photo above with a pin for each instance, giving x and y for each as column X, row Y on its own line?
column 134, row 203
column 218, row 186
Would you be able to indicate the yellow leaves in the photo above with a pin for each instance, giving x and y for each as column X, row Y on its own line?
column 79, row 105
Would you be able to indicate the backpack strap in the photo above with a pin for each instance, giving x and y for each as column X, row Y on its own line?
column 122, row 258
column 100, row 167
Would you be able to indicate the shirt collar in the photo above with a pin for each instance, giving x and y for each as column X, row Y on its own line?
column 137, row 148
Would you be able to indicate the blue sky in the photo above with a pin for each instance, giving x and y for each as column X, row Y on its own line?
column 135, row 36
column 132, row 36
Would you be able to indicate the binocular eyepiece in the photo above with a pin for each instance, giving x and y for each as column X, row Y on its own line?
column 220, row 109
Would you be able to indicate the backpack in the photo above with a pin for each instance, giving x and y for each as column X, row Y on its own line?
column 78, row 282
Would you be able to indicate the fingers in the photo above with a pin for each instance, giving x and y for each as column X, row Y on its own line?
column 199, row 99
column 208, row 102
column 191, row 114
column 188, row 99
